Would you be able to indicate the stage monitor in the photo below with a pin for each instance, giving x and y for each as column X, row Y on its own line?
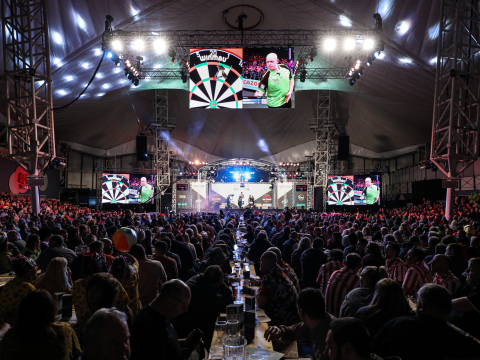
column 182, row 187
column 268, row 78
column 127, row 188
column 354, row 190
column 301, row 187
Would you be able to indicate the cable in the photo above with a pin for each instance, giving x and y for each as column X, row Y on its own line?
column 61, row 108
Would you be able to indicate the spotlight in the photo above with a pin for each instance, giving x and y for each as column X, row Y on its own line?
column 280, row 164
column 136, row 82
column 139, row 44
column 313, row 52
column 183, row 76
column 181, row 173
column 109, row 54
column 303, row 75
column 172, row 53
column 329, row 44
column 116, row 45
column 368, row 44
column 349, row 44
column 159, row 45
column 130, row 76
column 352, row 82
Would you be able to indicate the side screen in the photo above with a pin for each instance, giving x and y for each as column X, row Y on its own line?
column 127, row 188
column 354, row 190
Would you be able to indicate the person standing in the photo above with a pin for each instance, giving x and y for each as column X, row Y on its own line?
column 371, row 192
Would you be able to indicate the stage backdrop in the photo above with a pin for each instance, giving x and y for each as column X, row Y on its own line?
column 284, row 194
column 261, row 192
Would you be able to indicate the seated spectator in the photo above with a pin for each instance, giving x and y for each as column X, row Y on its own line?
column 152, row 334
column 296, row 263
column 466, row 303
column 342, row 282
column 5, row 266
column 187, row 269
column 311, row 261
column 37, row 334
column 125, row 270
column 363, row 295
column 439, row 249
column 209, row 298
column 56, row 279
column 186, row 240
column 361, row 245
column 443, row 276
column 12, row 237
column 388, row 303
column 168, row 263
column 108, row 250
column 414, row 241
column 15, row 290
column 428, row 327
column 335, row 242
column 215, row 256
column 32, row 247
column 373, row 255
column 289, row 247
column 458, row 264
column 287, row 269
column 352, row 245
column 102, row 291
column 171, row 255
column 417, row 274
column 335, row 262
column 395, row 267
column 151, row 275
column 55, row 249
column 277, row 294
column 314, row 325
column 258, row 247
column 106, row 336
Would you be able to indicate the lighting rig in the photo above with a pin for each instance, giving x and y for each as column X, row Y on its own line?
column 358, row 45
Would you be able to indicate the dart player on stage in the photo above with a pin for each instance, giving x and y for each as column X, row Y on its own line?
column 240, row 200
column 146, row 190
column 277, row 84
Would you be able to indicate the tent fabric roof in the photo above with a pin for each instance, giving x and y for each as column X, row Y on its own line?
column 391, row 107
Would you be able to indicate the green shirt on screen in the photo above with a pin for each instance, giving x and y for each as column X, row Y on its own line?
column 277, row 87
column 145, row 193
column 371, row 193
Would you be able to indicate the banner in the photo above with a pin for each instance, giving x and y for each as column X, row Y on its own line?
column 251, row 84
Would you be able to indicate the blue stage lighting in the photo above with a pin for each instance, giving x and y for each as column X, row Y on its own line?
column 236, row 175
column 109, row 54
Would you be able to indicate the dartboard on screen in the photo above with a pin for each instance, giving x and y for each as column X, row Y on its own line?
column 340, row 190
column 216, row 78
column 115, row 188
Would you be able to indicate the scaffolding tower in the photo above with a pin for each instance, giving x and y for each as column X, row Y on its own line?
column 160, row 128
column 457, row 91
column 30, row 130
column 326, row 137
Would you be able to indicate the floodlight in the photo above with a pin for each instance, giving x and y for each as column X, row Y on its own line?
column 159, row 45
column 368, row 44
column 136, row 82
column 329, row 44
column 139, row 44
column 109, row 54
column 116, row 45
column 349, row 44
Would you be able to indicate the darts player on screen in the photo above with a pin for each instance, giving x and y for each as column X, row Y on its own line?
column 371, row 192
column 277, row 84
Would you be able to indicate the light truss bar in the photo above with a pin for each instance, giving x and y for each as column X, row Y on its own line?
column 234, row 38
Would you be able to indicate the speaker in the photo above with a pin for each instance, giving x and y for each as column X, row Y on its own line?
column 142, row 154
column 343, row 147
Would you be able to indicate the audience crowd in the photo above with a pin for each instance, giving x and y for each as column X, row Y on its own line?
column 389, row 284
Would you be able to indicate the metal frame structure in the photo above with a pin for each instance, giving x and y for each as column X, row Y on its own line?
column 31, row 137
column 456, row 119
column 160, row 128
column 326, row 136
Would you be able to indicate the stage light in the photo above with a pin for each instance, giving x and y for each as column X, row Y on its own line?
column 181, row 173
column 138, row 44
column 368, row 44
column 184, row 76
column 349, row 44
column 196, row 162
column 136, row 82
column 352, row 82
column 379, row 55
column 247, row 176
column 109, row 54
column 402, row 27
column 236, row 175
column 116, row 45
column 329, row 44
column 280, row 164
column 303, row 75
column 172, row 53
column 160, row 45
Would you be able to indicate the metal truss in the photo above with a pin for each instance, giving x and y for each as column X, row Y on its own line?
column 114, row 170
column 31, row 137
column 312, row 73
column 326, row 135
column 234, row 38
column 260, row 165
column 160, row 128
column 456, row 116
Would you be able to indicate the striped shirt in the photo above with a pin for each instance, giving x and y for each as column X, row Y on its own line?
column 448, row 281
column 326, row 270
column 417, row 276
column 340, row 284
column 396, row 269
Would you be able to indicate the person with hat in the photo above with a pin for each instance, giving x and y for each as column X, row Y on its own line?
column 17, row 289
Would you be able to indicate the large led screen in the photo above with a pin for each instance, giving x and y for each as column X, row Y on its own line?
column 354, row 190
column 127, row 188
